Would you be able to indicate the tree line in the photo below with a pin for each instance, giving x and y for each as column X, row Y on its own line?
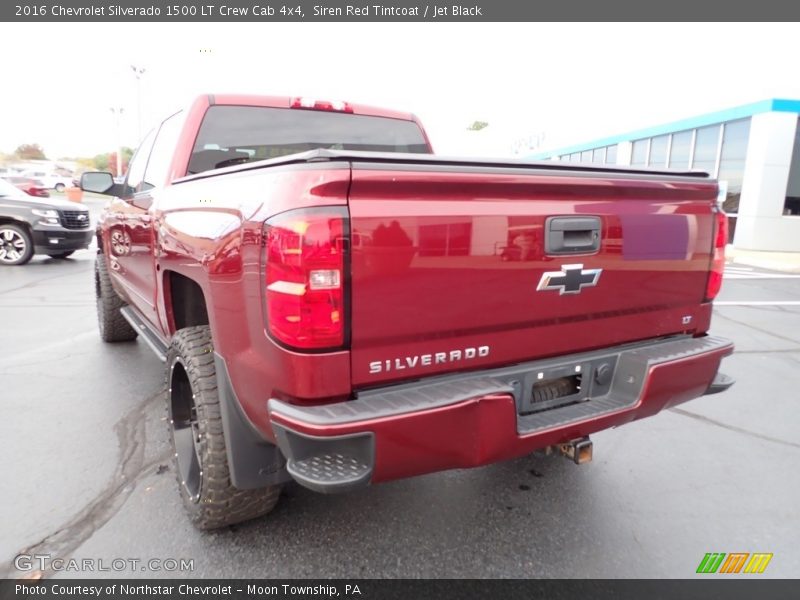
column 106, row 161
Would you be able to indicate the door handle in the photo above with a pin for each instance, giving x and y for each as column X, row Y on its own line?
column 572, row 235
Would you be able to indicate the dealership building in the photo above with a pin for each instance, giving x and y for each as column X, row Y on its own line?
column 753, row 150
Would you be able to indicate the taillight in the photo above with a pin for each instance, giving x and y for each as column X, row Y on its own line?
column 330, row 105
column 305, row 277
column 718, row 258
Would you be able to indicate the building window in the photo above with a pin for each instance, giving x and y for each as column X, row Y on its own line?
column 611, row 155
column 658, row 151
column 639, row 153
column 599, row 156
column 792, row 204
column 679, row 152
column 731, row 162
column 452, row 239
column 706, row 149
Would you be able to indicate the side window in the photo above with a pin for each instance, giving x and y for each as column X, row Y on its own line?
column 163, row 150
column 135, row 181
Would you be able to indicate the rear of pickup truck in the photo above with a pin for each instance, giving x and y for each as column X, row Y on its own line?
column 489, row 310
column 337, row 306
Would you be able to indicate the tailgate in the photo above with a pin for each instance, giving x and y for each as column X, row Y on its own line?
column 468, row 267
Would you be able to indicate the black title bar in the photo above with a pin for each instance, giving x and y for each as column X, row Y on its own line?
column 394, row 10
column 739, row 588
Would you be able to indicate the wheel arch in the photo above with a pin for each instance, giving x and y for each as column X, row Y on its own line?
column 6, row 220
column 184, row 301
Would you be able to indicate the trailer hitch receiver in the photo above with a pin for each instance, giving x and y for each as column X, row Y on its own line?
column 578, row 450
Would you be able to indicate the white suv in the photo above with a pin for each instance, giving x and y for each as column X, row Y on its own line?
column 50, row 180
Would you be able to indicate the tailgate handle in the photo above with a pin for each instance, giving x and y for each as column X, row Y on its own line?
column 572, row 235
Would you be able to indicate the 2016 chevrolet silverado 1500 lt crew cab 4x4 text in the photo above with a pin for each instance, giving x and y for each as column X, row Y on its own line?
column 338, row 306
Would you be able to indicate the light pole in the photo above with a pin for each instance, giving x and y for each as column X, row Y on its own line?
column 117, row 112
column 138, row 72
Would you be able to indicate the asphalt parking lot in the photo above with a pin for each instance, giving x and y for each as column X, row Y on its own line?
column 86, row 472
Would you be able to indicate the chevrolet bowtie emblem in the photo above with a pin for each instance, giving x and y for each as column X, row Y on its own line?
column 569, row 280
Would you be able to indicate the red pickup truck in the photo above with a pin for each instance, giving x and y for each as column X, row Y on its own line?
column 338, row 306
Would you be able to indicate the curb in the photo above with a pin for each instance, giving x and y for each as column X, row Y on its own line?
column 766, row 263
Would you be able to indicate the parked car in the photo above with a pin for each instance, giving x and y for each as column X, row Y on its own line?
column 8, row 171
column 32, row 187
column 51, row 180
column 30, row 225
column 327, row 300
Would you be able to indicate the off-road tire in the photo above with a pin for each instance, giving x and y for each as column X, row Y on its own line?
column 211, row 501
column 18, row 235
column 113, row 326
column 61, row 254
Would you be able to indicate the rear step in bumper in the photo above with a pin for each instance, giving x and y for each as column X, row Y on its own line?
column 471, row 419
column 721, row 383
column 329, row 464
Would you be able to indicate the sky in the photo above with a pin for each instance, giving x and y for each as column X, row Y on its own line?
column 559, row 83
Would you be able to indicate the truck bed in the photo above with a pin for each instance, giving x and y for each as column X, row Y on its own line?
column 452, row 268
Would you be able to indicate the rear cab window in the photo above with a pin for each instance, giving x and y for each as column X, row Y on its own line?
column 231, row 135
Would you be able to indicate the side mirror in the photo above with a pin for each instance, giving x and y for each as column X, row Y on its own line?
column 100, row 183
